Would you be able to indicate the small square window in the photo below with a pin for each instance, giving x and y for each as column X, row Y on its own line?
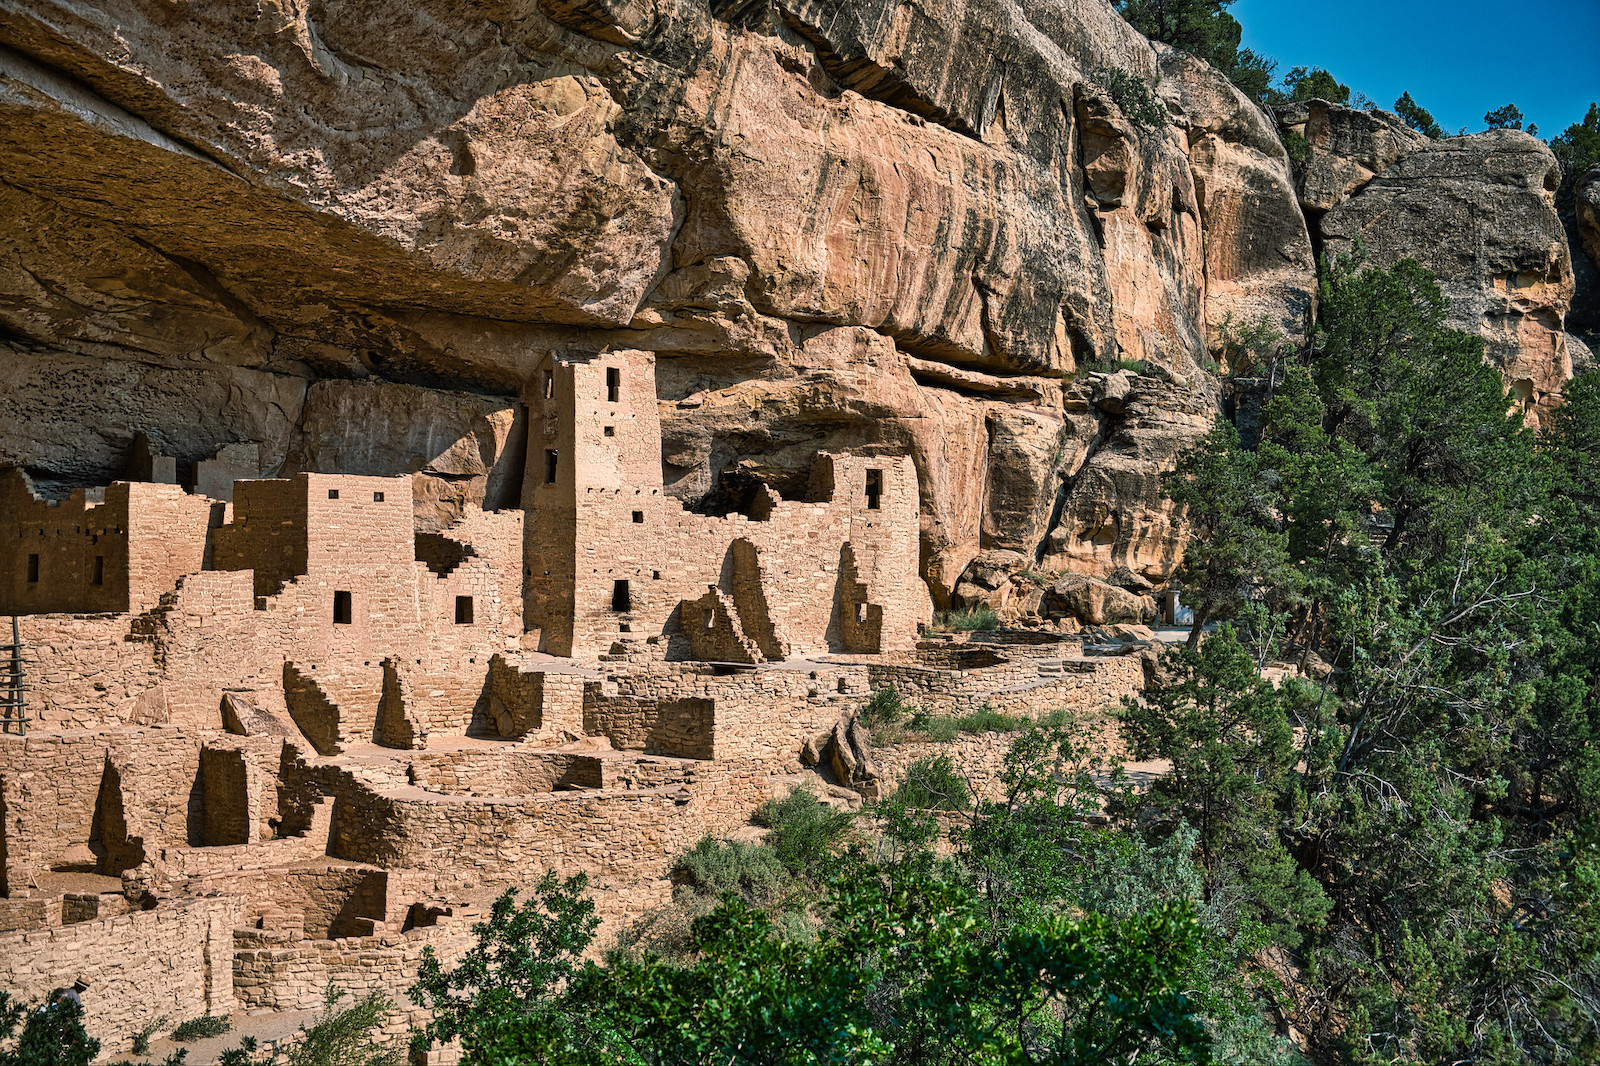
column 333, row 494
column 638, row 518
column 377, row 497
column 99, row 576
column 550, row 461
column 33, row 569
column 611, row 431
column 341, row 609
column 613, row 384
column 463, row 610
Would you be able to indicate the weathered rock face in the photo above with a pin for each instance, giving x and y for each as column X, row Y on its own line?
column 1478, row 211
column 346, row 233
column 1582, row 223
column 1346, row 149
column 1258, row 260
column 1587, row 201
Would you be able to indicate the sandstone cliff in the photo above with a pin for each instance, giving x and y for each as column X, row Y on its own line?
column 1477, row 211
column 345, row 231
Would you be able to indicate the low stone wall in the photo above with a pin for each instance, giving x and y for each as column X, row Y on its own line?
column 273, row 971
column 605, row 832
column 977, row 756
column 324, row 900
column 1028, row 686
column 505, row 771
column 166, row 867
column 680, row 726
column 175, row 960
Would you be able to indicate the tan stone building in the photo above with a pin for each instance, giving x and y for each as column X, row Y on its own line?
column 611, row 554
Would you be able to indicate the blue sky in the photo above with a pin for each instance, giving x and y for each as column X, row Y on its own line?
column 1458, row 59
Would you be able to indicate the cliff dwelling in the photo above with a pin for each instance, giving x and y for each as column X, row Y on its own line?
column 299, row 726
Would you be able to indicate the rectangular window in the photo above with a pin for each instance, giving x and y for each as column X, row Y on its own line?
column 463, row 610
column 621, row 601
column 613, row 384
column 33, row 569
column 341, row 608
column 99, row 577
column 377, row 497
column 333, row 494
column 611, row 431
column 638, row 518
column 550, row 459
column 874, row 488
column 549, row 386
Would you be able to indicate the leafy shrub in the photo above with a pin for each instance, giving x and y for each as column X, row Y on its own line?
column 988, row 720
column 966, row 621
column 714, row 867
column 200, row 1028
column 939, row 729
column 243, row 1055
column 805, row 831
column 51, row 1035
column 942, row 729
column 884, row 708
column 933, row 784
column 344, row 1037
column 1133, row 97
column 141, row 1039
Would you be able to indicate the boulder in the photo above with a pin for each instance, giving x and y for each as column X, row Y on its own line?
column 1095, row 602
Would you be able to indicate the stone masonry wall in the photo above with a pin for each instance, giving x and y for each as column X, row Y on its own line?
column 619, row 556
column 111, row 794
column 175, row 960
column 80, row 555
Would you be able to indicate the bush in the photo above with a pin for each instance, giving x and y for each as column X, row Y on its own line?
column 933, row 784
column 141, row 1039
column 985, row 719
column 884, row 708
column 1133, row 97
column 200, row 1028
column 968, row 620
column 714, row 867
column 805, row 831
column 344, row 1037
column 988, row 720
column 51, row 1035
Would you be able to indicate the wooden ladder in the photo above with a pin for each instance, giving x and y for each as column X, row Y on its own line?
column 13, row 706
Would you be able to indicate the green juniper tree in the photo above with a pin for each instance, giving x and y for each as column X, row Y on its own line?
column 1417, row 117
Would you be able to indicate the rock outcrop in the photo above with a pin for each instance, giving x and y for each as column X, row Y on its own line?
column 345, row 234
column 1477, row 211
